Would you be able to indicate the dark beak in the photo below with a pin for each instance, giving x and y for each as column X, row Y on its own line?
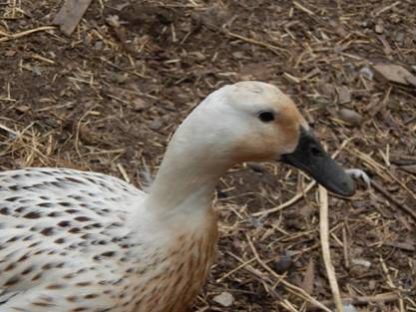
column 310, row 157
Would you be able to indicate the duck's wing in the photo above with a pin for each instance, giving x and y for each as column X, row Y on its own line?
column 6, row 296
column 43, row 298
column 55, row 223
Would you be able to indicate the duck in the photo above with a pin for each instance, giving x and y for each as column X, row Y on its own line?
column 84, row 241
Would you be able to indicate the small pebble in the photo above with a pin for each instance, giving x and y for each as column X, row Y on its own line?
column 138, row 104
column 350, row 116
column 372, row 284
column 22, row 108
column 118, row 78
column 198, row 56
column 256, row 222
column 399, row 38
column 98, row 45
column 349, row 308
column 225, row 299
column 367, row 73
column 379, row 28
column 283, row 263
column 238, row 55
column 361, row 262
column 155, row 124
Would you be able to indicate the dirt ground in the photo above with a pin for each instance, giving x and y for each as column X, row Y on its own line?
column 108, row 97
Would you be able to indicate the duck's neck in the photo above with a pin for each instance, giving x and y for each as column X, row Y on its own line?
column 185, row 182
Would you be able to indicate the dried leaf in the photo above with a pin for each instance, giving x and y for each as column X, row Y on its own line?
column 344, row 95
column 394, row 73
column 70, row 15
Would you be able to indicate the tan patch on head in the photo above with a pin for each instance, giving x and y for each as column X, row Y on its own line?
column 280, row 137
column 289, row 121
column 255, row 147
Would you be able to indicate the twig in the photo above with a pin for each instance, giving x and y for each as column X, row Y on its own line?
column 302, row 8
column 362, row 300
column 389, row 7
column 292, row 288
column 242, row 265
column 270, row 47
column 345, row 249
column 287, row 305
column 8, row 37
column 390, row 282
column 386, row 194
column 324, row 232
column 7, row 129
column 123, row 172
column 42, row 58
column 288, row 203
column 382, row 171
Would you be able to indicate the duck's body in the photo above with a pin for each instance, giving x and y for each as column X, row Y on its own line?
column 81, row 241
column 67, row 245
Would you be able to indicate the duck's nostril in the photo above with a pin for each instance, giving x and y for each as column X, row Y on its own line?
column 315, row 151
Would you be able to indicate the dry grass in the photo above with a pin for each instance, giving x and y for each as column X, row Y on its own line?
column 108, row 98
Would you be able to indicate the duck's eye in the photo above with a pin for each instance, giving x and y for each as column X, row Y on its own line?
column 266, row 116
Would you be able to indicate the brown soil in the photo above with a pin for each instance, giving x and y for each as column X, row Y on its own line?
column 108, row 97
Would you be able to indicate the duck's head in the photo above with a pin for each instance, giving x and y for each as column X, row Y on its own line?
column 255, row 121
